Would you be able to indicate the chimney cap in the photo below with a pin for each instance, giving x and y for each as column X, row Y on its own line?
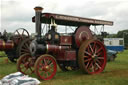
column 38, row 8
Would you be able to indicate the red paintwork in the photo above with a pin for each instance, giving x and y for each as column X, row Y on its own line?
column 70, row 55
column 62, row 52
column 82, row 33
column 65, row 40
column 60, row 56
column 66, row 55
column 6, row 45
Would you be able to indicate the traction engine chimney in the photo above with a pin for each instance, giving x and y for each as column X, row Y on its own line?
column 38, row 11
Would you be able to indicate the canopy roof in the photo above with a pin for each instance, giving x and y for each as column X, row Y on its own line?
column 71, row 20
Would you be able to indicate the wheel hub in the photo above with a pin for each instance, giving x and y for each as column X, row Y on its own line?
column 26, row 65
column 94, row 57
column 46, row 68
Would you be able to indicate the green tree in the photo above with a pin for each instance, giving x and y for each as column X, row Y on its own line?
column 123, row 34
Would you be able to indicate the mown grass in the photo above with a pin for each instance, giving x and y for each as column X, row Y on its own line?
column 115, row 73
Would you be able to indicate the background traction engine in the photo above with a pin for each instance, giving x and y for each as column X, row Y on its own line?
column 71, row 51
column 15, row 44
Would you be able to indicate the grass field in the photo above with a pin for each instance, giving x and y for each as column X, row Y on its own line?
column 115, row 73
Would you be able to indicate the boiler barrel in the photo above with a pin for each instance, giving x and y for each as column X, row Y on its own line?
column 51, row 48
column 6, row 45
column 55, row 48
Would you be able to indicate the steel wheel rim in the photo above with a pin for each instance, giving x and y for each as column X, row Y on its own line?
column 20, row 34
column 47, row 69
column 24, row 64
column 94, row 57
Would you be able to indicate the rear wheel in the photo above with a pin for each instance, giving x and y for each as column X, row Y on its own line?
column 19, row 35
column 92, row 56
column 45, row 67
column 23, row 47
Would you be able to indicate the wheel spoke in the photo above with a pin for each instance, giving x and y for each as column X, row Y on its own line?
column 41, row 64
column 91, row 48
column 45, row 62
column 32, row 71
column 98, row 65
column 25, row 70
column 90, row 64
column 100, row 57
column 50, row 71
column 98, row 61
column 87, row 65
column 19, row 34
column 88, row 53
column 22, row 66
column 85, row 56
column 25, row 50
column 99, row 50
column 27, row 46
column 95, row 66
column 46, row 74
column 92, row 68
column 89, row 59
column 51, row 64
column 94, row 46
column 22, row 32
column 42, row 73
column 99, row 53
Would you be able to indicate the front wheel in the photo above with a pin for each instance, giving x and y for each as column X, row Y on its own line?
column 45, row 67
column 92, row 56
column 25, row 64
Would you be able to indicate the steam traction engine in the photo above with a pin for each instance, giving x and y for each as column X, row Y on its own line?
column 72, row 51
column 15, row 44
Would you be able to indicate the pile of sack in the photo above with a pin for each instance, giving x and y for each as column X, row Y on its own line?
column 19, row 79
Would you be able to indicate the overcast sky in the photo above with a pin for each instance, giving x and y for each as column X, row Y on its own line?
column 18, row 13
